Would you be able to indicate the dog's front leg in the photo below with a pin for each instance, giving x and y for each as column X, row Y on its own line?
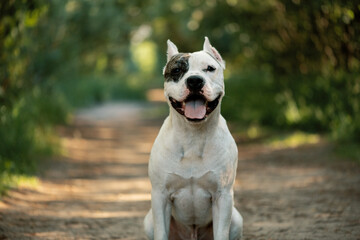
column 161, row 208
column 221, row 210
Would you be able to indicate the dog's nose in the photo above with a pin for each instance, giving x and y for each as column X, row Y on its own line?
column 195, row 83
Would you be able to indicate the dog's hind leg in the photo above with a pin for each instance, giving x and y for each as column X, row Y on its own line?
column 236, row 225
column 149, row 225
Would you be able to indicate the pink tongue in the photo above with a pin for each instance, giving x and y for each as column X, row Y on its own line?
column 195, row 109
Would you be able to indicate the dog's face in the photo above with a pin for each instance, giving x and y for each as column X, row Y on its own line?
column 194, row 82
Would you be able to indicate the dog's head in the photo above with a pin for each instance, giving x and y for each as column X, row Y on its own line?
column 194, row 82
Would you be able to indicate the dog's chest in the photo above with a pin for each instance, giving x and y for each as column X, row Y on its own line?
column 197, row 168
column 193, row 168
column 176, row 182
column 192, row 197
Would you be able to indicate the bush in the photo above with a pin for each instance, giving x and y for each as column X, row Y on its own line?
column 86, row 90
column 26, row 132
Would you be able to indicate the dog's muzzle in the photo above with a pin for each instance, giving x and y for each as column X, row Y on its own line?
column 195, row 107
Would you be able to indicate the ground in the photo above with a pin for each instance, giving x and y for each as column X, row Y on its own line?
column 99, row 188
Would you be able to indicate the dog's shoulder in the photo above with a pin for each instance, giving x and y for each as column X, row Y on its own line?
column 224, row 133
column 223, row 142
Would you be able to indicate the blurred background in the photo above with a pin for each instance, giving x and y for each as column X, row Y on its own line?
column 292, row 66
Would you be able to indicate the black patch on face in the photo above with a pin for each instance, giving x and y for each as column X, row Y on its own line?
column 177, row 67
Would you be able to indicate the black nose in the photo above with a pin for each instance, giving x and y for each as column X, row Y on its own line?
column 195, row 83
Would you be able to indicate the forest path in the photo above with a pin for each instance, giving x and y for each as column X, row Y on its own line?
column 99, row 188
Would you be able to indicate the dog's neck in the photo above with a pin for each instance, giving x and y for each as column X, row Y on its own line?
column 184, row 125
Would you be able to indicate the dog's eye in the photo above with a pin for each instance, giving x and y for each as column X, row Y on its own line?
column 210, row 69
column 175, row 71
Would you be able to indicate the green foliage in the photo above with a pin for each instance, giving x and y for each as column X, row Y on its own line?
column 89, row 90
column 245, row 97
column 349, row 150
column 26, row 126
column 27, row 133
column 29, row 106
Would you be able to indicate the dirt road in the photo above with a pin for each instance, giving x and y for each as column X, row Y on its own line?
column 99, row 188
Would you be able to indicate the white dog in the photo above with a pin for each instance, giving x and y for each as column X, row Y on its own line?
column 193, row 161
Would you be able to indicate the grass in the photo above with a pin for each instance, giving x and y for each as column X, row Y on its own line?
column 292, row 140
column 273, row 138
column 11, row 180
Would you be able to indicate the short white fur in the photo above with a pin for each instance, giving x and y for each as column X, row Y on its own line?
column 192, row 166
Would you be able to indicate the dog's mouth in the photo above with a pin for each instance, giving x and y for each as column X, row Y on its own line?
column 195, row 107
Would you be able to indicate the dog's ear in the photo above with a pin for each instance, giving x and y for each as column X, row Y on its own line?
column 171, row 49
column 213, row 52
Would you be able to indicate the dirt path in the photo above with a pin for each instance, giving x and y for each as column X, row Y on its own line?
column 99, row 189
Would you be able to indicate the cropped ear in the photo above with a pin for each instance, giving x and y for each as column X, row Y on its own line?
column 213, row 52
column 171, row 50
